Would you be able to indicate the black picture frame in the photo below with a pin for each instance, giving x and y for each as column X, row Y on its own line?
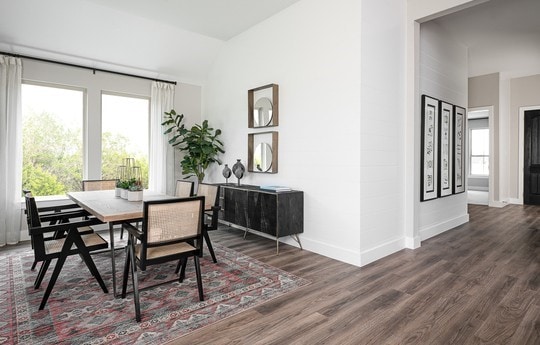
column 430, row 142
column 446, row 149
column 460, row 127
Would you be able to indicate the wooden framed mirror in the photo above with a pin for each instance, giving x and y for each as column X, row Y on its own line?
column 263, row 106
column 263, row 152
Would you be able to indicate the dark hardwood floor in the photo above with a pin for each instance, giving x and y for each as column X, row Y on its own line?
column 475, row 284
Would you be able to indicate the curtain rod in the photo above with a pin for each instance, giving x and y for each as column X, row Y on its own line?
column 86, row 67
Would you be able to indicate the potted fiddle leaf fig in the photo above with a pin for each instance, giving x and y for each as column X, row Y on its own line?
column 200, row 144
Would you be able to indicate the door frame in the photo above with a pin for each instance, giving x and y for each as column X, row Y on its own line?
column 521, row 148
column 491, row 125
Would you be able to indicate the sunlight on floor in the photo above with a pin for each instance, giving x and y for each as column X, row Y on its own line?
column 477, row 197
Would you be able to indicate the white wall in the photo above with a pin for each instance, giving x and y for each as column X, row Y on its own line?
column 443, row 75
column 312, row 50
column 381, row 124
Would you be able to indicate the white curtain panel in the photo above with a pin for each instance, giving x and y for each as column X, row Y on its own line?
column 161, row 169
column 10, row 149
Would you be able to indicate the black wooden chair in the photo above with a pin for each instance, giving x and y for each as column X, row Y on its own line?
column 211, row 211
column 64, row 239
column 210, row 192
column 52, row 215
column 171, row 231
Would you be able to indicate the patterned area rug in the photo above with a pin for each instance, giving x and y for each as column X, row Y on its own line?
column 78, row 312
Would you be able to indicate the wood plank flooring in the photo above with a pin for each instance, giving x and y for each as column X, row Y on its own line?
column 476, row 284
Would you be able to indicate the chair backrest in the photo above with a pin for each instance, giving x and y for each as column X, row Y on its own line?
column 210, row 193
column 32, row 213
column 184, row 188
column 172, row 220
column 32, row 219
column 88, row 185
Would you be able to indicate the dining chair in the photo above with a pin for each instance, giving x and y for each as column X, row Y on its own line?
column 89, row 185
column 94, row 185
column 211, row 211
column 59, row 248
column 184, row 188
column 171, row 230
column 52, row 215
column 210, row 192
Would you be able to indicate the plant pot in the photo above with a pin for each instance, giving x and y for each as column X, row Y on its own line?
column 124, row 193
column 117, row 192
column 135, row 195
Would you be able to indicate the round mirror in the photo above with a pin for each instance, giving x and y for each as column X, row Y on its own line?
column 262, row 157
column 262, row 112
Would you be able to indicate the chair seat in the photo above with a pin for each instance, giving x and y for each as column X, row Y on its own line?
column 164, row 251
column 85, row 230
column 92, row 241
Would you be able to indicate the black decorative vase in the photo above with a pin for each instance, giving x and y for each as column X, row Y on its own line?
column 227, row 173
column 238, row 170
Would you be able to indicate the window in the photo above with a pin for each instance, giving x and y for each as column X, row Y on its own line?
column 52, row 118
column 125, row 128
column 479, row 139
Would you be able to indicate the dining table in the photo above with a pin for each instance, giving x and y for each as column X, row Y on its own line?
column 108, row 208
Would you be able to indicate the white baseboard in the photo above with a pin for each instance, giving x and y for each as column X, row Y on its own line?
column 350, row 256
column 412, row 242
column 496, row 203
column 436, row 229
column 515, row 201
column 379, row 252
column 338, row 253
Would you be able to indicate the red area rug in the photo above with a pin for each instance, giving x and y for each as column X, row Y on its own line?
column 78, row 312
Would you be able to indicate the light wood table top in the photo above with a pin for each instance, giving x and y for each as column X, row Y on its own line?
column 108, row 208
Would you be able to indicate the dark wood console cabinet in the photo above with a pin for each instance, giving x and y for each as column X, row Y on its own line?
column 274, row 213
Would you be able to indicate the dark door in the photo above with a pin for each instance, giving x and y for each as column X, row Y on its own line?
column 531, row 159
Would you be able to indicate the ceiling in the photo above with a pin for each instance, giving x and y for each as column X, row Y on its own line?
column 131, row 35
column 502, row 35
column 221, row 19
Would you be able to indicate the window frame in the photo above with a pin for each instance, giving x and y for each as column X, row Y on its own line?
column 470, row 174
column 126, row 95
column 84, row 122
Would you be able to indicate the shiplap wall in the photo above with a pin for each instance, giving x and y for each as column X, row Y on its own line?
column 381, row 123
column 443, row 75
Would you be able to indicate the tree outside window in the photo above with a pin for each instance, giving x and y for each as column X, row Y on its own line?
column 53, row 137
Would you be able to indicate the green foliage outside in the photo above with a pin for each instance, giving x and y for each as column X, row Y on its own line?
column 53, row 160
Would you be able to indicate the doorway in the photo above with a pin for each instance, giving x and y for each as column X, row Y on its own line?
column 479, row 162
column 531, row 157
column 521, row 147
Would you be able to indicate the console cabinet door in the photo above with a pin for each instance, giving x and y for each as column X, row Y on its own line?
column 262, row 212
column 235, row 206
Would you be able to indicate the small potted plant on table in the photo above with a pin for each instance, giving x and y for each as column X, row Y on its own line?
column 135, row 191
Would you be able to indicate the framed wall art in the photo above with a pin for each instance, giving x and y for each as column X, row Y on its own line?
column 445, row 149
column 460, row 122
column 429, row 163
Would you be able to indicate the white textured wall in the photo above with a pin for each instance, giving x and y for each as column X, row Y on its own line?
column 312, row 50
column 381, row 123
column 443, row 75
